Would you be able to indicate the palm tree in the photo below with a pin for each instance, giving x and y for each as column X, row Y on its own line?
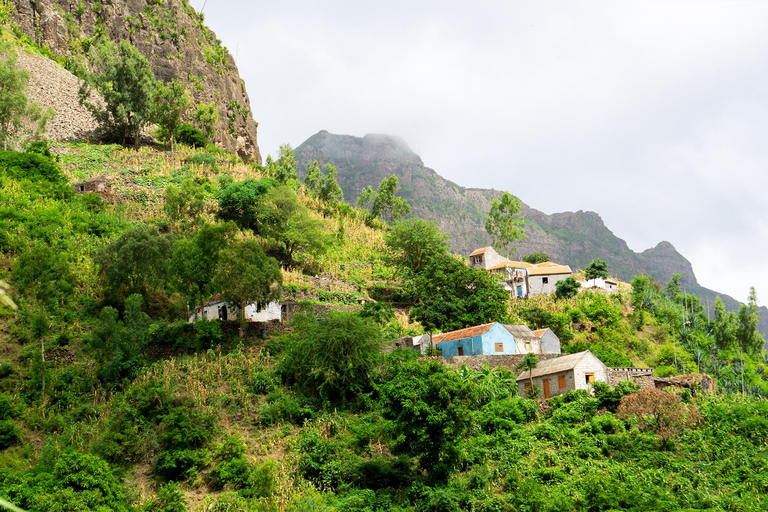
column 529, row 362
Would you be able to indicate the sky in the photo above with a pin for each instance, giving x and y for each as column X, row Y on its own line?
column 653, row 114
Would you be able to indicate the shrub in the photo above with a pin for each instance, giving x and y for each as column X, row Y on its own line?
column 169, row 499
column 282, row 405
column 191, row 136
column 8, row 409
column 178, row 465
column 658, row 412
column 9, row 434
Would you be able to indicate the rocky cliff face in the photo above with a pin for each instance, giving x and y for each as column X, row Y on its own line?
column 173, row 38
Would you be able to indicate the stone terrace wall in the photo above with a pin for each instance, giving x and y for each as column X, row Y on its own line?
column 641, row 376
column 508, row 361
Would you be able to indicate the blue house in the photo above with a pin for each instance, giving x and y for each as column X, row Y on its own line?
column 484, row 339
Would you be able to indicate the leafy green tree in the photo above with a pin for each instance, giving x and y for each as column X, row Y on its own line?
column 673, row 286
column 747, row 334
column 505, row 224
column 384, row 202
column 322, row 182
column 332, row 357
column 724, row 326
column 119, row 346
column 184, row 203
column 287, row 222
column 379, row 312
column 137, row 262
column 194, row 261
column 242, row 202
column 16, row 110
column 206, row 117
column 567, row 288
column 44, row 276
column 171, row 102
column 123, row 77
column 415, row 243
column 536, row 257
column 597, row 269
column 450, row 295
column 284, row 168
column 248, row 276
column 430, row 409
column 528, row 364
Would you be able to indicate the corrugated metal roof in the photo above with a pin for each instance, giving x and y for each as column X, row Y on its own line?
column 557, row 365
column 467, row 332
column 479, row 251
column 520, row 331
column 538, row 270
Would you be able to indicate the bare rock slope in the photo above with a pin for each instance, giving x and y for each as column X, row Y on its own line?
column 173, row 37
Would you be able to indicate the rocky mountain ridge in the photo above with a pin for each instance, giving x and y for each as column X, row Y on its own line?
column 173, row 37
column 574, row 238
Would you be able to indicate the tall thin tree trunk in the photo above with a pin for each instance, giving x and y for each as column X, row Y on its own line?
column 42, row 393
column 242, row 320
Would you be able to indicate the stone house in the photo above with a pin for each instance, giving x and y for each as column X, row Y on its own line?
column 485, row 258
column 525, row 339
column 217, row 308
column 490, row 338
column 543, row 277
column 419, row 343
column 563, row 374
column 96, row 185
column 549, row 342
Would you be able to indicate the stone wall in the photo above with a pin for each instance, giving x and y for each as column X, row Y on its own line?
column 508, row 361
column 640, row 376
column 289, row 309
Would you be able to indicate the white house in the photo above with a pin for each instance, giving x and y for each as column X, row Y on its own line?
column 599, row 284
column 218, row 308
column 543, row 277
column 485, row 258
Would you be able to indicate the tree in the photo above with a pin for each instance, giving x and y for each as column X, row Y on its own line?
column 747, row 334
column 658, row 412
column 137, row 262
column 123, row 77
column 529, row 363
column 332, row 357
column 384, row 202
column 567, row 288
column 429, row 410
column 284, row 168
column 249, row 277
column 596, row 269
column 44, row 276
column 184, row 203
column 505, row 224
column 171, row 102
column 16, row 110
column 206, row 116
column 287, row 222
column 724, row 326
column 673, row 286
column 536, row 257
column 449, row 295
column 242, row 201
column 322, row 182
column 194, row 261
column 415, row 242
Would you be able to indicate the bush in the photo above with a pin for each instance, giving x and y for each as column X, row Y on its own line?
column 191, row 136
column 179, row 465
column 281, row 405
column 9, row 434
column 169, row 499
column 8, row 408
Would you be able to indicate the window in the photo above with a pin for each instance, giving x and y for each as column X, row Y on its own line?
column 528, row 346
column 499, row 347
column 561, row 381
column 527, row 387
column 544, row 280
column 590, row 378
column 460, row 351
column 479, row 259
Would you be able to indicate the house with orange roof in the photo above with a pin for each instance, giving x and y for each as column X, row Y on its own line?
column 479, row 340
column 548, row 341
column 543, row 277
column 485, row 258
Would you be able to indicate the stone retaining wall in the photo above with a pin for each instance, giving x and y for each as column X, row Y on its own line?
column 640, row 376
column 508, row 361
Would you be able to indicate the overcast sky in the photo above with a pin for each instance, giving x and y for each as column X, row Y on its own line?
column 653, row 114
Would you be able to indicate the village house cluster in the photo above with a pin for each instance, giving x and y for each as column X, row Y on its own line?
column 522, row 280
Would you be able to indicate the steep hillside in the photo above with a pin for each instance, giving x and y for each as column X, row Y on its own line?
column 173, row 38
column 575, row 238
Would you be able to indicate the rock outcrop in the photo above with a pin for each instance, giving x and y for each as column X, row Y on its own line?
column 170, row 33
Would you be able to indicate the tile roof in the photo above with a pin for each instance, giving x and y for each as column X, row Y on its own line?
column 479, row 251
column 556, row 365
column 511, row 264
column 462, row 333
column 219, row 297
column 547, row 270
column 520, row 331
column 539, row 332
